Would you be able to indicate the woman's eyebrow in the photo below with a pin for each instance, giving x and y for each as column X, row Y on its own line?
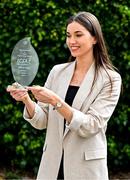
column 78, row 31
column 75, row 32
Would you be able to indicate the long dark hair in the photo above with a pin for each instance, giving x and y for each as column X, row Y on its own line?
column 91, row 23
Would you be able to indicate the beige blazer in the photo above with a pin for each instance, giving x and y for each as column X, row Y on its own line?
column 84, row 141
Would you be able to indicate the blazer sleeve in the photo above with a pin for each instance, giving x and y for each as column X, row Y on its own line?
column 96, row 118
column 40, row 118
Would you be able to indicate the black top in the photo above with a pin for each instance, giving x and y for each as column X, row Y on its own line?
column 71, row 92
column 70, row 95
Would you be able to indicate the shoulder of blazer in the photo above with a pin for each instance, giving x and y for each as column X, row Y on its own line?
column 105, row 73
column 56, row 73
column 61, row 67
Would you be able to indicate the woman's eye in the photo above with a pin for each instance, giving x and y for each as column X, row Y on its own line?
column 76, row 35
column 67, row 35
column 79, row 35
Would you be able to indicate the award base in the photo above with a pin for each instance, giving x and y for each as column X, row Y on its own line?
column 15, row 86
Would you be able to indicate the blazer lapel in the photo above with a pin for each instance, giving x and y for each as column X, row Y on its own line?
column 83, row 91
column 64, row 81
column 85, row 88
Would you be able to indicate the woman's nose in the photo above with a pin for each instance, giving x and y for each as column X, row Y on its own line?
column 72, row 40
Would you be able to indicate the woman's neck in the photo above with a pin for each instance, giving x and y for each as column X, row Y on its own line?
column 81, row 68
column 83, row 64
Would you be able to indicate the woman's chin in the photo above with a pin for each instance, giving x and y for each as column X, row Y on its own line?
column 74, row 54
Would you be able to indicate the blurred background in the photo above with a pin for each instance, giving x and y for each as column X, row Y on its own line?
column 45, row 22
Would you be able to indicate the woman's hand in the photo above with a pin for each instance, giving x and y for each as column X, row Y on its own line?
column 21, row 94
column 43, row 94
column 18, row 94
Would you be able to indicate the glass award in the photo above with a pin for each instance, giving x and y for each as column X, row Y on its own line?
column 24, row 63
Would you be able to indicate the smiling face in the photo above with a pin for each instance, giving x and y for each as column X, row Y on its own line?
column 79, row 40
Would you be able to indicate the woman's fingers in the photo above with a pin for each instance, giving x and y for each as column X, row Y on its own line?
column 34, row 88
column 18, row 94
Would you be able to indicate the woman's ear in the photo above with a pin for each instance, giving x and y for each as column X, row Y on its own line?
column 94, row 40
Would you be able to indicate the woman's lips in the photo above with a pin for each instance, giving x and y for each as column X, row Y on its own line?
column 74, row 48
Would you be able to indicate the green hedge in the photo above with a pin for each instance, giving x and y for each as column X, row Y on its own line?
column 44, row 21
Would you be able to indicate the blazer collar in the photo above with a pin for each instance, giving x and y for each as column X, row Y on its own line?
column 65, row 78
column 85, row 88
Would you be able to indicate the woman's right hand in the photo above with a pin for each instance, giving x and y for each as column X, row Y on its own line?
column 19, row 94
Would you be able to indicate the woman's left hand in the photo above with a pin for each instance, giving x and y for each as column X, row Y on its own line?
column 43, row 94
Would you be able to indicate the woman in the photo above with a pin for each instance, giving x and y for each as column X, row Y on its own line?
column 75, row 105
